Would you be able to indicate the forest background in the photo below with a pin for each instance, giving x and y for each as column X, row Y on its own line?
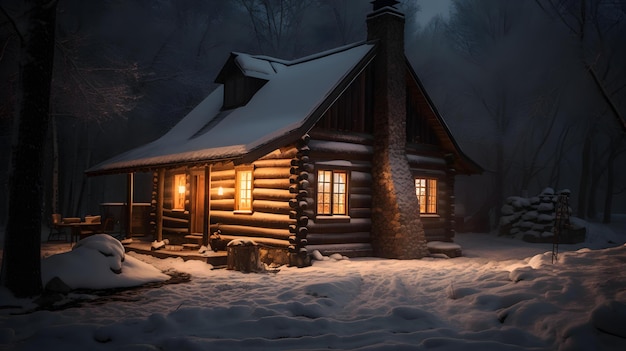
column 534, row 91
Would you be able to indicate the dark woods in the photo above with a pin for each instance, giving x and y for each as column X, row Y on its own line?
column 535, row 91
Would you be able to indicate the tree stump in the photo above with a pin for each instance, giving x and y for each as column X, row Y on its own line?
column 243, row 256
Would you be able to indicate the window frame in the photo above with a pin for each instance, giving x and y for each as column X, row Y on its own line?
column 431, row 196
column 332, row 193
column 239, row 171
column 177, row 196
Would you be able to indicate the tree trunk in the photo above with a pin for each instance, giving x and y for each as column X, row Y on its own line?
column 21, row 264
column 55, row 167
column 583, row 185
column 608, row 197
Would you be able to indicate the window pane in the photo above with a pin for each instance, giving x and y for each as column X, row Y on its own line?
column 180, row 188
column 331, row 192
column 432, row 196
column 420, row 191
column 244, row 191
column 323, row 192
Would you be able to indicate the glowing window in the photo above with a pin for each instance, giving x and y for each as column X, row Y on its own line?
column 179, row 191
column 243, row 191
column 332, row 192
column 426, row 191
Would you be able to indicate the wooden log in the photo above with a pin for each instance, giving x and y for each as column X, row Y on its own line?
column 302, row 221
column 272, row 173
column 243, row 258
column 271, row 194
column 176, row 221
column 222, row 166
column 353, row 225
column 224, row 183
column 359, row 212
column 175, row 214
column 280, row 183
column 361, row 179
column 223, row 204
column 253, row 232
column 175, row 231
column 254, row 219
column 285, row 152
column 227, row 193
column 304, row 140
column 332, row 135
column 325, row 238
column 296, row 214
column 341, row 155
column 259, row 240
column 423, row 172
column 278, row 162
column 222, row 175
column 302, row 195
column 303, row 151
column 158, row 204
column 361, row 190
column 360, row 200
column 268, row 206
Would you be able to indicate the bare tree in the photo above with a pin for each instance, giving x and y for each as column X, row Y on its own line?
column 594, row 23
column 276, row 24
column 598, row 28
column 484, row 33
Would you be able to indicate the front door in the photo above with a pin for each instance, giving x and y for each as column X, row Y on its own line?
column 197, row 202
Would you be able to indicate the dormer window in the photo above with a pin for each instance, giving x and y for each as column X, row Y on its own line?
column 239, row 89
column 242, row 76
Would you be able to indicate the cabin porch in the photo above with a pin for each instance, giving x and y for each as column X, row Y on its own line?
column 143, row 245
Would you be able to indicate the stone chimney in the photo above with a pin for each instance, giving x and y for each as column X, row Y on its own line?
column 397, row 230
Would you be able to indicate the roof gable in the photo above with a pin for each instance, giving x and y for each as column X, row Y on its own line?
column 282, row 106
column 462, row 163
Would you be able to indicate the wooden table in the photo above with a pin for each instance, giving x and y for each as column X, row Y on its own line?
column 78, row 227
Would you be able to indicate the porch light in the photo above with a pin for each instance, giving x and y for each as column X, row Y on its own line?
column 220, row 191
column 181, row 189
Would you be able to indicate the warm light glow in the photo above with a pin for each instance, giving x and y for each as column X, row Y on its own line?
column 243, row 195
column 426, row 191
column 331, row 192
column 179, row 189
column 220, row 191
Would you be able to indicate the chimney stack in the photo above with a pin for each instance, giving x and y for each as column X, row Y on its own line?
column 397, row 230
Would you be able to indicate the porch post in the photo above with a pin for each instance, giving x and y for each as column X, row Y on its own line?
column 206, row 228
column 130, row 179
column 159, row 204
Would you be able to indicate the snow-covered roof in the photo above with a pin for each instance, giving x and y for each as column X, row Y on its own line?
column 294, row 92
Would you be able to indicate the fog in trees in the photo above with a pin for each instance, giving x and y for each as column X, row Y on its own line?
column 532, row 91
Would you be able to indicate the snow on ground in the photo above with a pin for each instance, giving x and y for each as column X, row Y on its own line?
column 504, row 294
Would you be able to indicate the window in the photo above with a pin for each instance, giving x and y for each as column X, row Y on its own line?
column 243, row 191
column 426, row 191
column 331, row 192
column 179, row 191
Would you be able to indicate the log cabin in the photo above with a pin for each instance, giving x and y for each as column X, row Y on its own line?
column 341, row 152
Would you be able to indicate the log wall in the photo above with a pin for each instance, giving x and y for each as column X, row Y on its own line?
column 284, row 206
column 269, row 222
column 432, row 164
column 352, row 153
